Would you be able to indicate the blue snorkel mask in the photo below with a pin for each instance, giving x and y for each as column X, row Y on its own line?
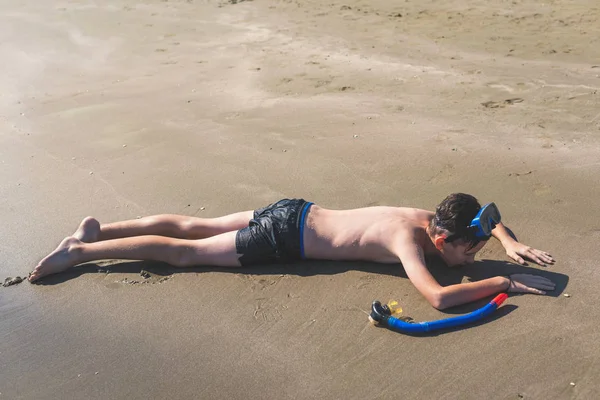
column 482, row 225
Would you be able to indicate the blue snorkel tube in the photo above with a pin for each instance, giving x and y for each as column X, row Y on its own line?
column 382, row 315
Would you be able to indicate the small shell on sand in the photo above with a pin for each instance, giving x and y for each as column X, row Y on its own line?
column 572, row 383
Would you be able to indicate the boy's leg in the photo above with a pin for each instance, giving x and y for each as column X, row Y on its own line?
column 217, row 250
column 175, row 226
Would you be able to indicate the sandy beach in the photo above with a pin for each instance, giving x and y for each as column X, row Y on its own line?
column 121, row 109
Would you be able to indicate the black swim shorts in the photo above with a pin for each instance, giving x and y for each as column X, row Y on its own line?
column 274, row 234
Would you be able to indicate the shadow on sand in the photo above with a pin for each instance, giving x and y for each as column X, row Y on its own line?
column 444, row 275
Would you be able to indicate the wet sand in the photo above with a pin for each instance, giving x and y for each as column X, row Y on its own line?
column 121, row 109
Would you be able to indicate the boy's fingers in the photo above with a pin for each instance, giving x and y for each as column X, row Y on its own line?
column 541, row 279
column 546, row 280
column 516, row 257
column 545, row 286
column 543, row 256
column 539, row 257
column 536, row 260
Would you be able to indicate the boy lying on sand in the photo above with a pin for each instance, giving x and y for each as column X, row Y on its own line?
column 292, row 230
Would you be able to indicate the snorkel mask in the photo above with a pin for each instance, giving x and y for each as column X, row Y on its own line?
column 482, row 225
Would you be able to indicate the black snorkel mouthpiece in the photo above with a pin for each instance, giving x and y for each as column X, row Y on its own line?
column 379, row 313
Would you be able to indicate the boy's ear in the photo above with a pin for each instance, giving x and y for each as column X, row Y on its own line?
column 439, row 242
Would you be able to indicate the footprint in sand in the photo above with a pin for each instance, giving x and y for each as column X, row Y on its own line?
column 517, row 174
column 266, row 310
column 365, row 281
column 258, row 283
column 144, row 278
column 322, row 82
column 595, row 232
column 446, row 174
column 12, row 281
column 502, row 104
column 542, row 190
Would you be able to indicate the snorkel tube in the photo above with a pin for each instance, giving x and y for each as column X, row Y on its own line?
column 381, row 315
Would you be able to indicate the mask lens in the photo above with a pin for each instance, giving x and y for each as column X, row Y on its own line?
column 482, row 225
column 490, row 217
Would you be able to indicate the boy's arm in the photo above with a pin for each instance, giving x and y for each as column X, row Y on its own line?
column 412, row 258
column 517, row 251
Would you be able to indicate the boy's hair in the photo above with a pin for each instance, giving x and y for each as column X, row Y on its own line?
column 454, row 214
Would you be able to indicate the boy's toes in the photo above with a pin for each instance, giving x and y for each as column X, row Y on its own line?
column 35, row 274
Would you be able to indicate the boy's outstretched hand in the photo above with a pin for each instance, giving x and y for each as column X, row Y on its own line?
column 527, row 283
column 519, row 252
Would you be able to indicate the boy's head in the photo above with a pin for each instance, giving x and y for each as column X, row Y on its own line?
column 449, row 229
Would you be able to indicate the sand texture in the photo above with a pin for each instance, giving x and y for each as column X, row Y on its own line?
column 120, row 109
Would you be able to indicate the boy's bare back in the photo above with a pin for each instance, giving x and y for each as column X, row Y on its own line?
column 369, row 234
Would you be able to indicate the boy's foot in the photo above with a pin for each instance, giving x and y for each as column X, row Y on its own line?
column 59, row 260
column 88, row 230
